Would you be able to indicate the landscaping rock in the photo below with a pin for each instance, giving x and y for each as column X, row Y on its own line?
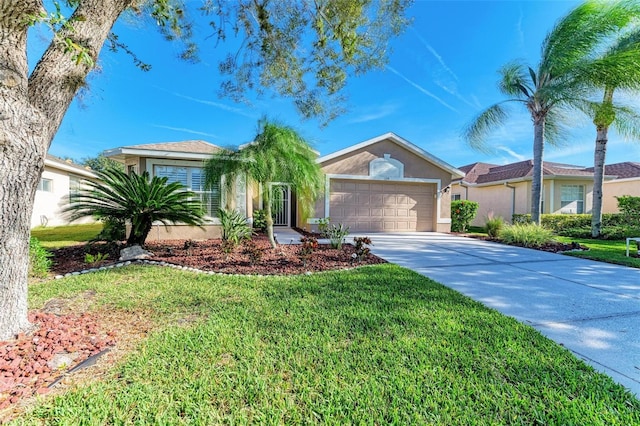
column 134, row 253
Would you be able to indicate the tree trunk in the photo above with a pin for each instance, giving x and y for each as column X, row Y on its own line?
column 537, row 175
column 268, row 218
column 598, row 179
column 604, row 117
column 31, row 110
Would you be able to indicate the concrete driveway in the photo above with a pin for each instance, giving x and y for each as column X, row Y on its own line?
column 591, row 308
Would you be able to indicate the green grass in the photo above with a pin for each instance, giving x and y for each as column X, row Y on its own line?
column 374, row 345
column 611, row 251
column 61, row 236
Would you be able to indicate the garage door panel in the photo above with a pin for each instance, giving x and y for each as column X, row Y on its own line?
column 365, row 206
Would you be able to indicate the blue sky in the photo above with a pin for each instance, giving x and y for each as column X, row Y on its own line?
column 442, row 72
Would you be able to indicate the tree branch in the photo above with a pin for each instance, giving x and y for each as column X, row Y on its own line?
column 58, row 76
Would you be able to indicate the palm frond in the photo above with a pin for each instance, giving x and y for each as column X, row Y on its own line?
column 627, row 122
column 514, row 81
column 477, row 131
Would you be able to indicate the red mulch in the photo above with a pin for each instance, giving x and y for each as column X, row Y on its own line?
column 209, row 255
column 26, row 366
column 554, row 246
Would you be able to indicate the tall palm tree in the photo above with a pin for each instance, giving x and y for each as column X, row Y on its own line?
column 278, row 154
column 138, row 199
column 617, row 68
column 554, row 85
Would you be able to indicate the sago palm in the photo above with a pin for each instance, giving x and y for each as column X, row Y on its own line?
column 554, row 84
column 278, row 154
column 138, row 199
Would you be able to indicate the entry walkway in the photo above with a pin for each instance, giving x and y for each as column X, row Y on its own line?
column 591, row 308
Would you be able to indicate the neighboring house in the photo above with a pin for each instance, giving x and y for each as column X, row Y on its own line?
column 626, row 182
column 383, row 184
column 59, row 179
column 505, row 190
column 386, row 184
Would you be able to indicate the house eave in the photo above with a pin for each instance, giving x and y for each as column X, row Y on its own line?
column 121, row 154
column 455, row 173
column 68, row 168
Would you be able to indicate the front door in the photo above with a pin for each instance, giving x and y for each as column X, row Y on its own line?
column 281, row 206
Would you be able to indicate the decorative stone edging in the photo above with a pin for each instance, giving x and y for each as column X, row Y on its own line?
column 184, row 268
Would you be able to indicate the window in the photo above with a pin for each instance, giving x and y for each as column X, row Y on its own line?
column 455, row 197
column 572, row 199
column 45, row 185
column 193, row 179
column 74, row 185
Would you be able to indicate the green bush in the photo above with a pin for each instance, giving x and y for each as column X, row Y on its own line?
column 619, row 232
column 629, row 208
column 39, row 259
column 259, row 220
column 493, row 226
column 234, row 227
column 113, row 229
column 462, row 213
column 526, row 234
column 336, row 234
column 571, row 225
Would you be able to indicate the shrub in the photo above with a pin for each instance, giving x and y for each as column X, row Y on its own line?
column 113, row 229
column 619, row 232
column 95, row 258
column 629, row 208
column 493, row 226
column 252, row 251
column 362, row 249
column 462, row 213
column 526, row 234
column 323, row 225
column 234, row 227
column 39, row 259
column 336, row 234
column 259, row 220
column 572, row 225
column 308, row 246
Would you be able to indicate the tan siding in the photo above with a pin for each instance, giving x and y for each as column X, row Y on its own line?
column 617, row 188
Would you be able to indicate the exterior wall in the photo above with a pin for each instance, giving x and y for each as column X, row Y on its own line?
column 617, row 188
column 47, row 207
column 356, row 163
column 182, row 232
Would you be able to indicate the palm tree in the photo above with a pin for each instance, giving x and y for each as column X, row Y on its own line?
column 554, row 85
column 618, row 68
column 137, row 199
column 278, row 154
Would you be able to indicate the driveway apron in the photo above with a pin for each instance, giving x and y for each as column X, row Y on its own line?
column 591, row 308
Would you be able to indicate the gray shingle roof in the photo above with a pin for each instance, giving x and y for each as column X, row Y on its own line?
column 194, row 146
column 487, row 173
column 625, row 170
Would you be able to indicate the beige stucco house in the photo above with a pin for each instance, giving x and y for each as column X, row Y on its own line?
column 502, row 190
column 59, row 179
column 382, row 184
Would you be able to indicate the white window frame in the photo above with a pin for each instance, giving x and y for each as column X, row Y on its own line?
column 578, row 199
column 45, row 188
column 152, row 162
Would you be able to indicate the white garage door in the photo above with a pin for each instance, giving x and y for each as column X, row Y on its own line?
column 377, row 206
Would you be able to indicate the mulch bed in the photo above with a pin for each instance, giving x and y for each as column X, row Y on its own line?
column 255, row 257
column 553, row 247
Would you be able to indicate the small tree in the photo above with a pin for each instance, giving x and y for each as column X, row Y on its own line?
column 138, row 199
column 278, row 154
column 462, row 213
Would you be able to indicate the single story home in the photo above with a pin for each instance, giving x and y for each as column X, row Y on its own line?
column 502, row 190
column 382, row 184
column 59, row 179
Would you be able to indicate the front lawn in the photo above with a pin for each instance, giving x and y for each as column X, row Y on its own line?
column 62, row 236
column 373, row 345
column 612, row 251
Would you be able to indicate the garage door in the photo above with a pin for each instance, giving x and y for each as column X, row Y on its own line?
column 377, row 206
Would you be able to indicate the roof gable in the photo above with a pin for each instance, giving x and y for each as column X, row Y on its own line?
column 399, row 141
